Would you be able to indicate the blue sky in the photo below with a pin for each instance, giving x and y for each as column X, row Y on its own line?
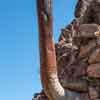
column 19, row 54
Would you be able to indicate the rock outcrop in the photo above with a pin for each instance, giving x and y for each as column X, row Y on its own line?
column 78, row 53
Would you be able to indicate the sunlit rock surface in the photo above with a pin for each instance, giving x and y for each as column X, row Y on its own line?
column 78, row 55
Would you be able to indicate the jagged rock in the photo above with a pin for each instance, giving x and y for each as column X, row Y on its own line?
column 78, row 55
column 88, row 31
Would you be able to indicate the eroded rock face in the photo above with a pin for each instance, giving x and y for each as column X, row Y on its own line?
column 78, row 56
column 78, row 61
column 81, row 62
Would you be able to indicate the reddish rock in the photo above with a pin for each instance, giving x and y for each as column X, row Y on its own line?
column 85, row 50
column 72, row 62
column 93, row 70
column 88, row 30
column 95, row 56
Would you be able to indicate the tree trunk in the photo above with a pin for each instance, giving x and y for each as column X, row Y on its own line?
column 49, row 77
